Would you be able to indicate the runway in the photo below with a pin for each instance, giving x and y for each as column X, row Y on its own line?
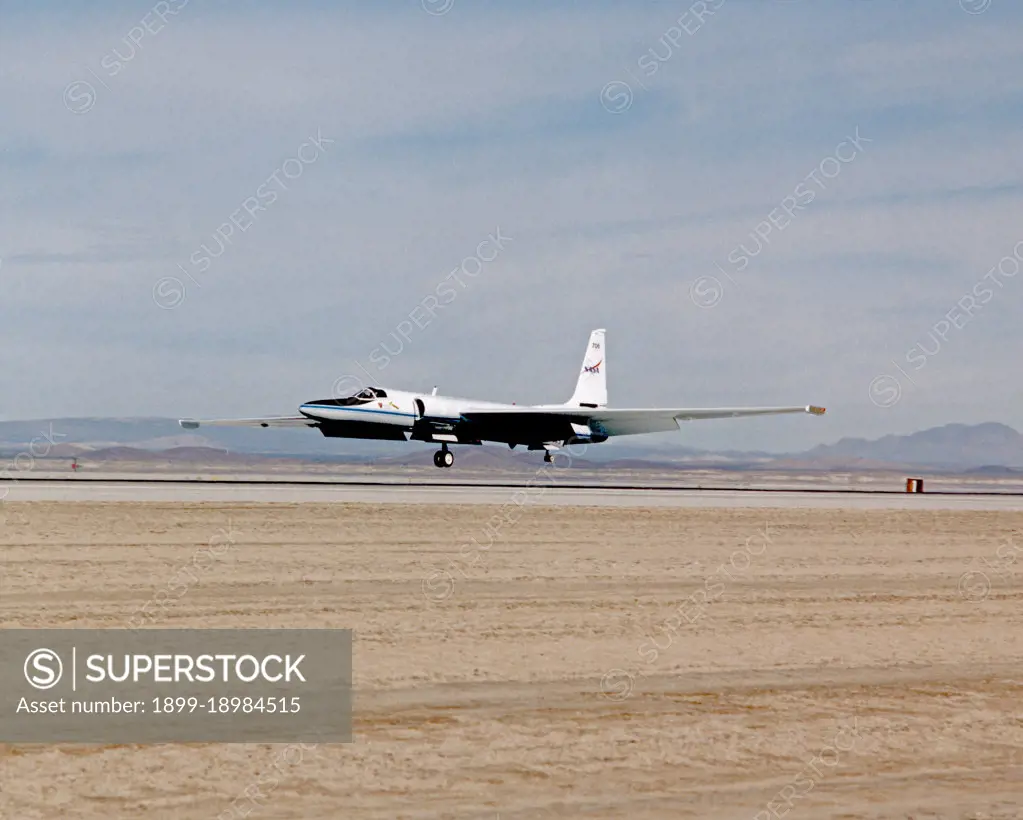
column 557, row 661
column 541, row 491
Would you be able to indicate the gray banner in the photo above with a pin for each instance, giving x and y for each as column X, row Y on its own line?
column 175, row 685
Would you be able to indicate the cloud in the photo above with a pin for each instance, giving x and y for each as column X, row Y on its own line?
column 446, row 127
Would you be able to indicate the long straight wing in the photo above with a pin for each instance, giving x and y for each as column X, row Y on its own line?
column 613, row 422
column 273, row 421
column 629, row 422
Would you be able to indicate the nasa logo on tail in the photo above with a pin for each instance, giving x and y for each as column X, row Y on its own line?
column 593, row 368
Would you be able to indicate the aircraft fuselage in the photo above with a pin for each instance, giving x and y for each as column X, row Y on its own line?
column 401, row 415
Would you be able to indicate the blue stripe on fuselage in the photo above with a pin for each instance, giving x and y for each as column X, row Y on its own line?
column 378, row 411
column 374, row 411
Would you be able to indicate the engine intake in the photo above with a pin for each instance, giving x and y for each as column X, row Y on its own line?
column 439, row 419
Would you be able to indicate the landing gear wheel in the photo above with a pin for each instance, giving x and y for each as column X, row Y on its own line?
column 436, row 459
column 443, row 458
column 548, row 457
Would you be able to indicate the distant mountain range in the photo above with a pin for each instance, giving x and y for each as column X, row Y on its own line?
column 980, row 448
column 952, row 445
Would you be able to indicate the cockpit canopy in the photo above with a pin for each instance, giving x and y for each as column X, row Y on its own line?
column 364, row 396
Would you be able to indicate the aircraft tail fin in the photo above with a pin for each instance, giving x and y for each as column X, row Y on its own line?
column 591, row 388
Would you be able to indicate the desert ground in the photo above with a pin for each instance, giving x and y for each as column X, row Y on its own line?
column 561, row 661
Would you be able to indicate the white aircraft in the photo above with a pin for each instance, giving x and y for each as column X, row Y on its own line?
column 397, row 415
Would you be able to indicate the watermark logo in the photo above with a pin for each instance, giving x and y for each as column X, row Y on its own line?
column 616, row 97
column 885, row 391
column 706, row 291
column 437, row 7
column 974, row 585
column 80, row 97
column 975, row 6
column 438, row 585
column 43, row 668
column 168, row 292
column 617, row 684
column 25, row 461
column 423, row 314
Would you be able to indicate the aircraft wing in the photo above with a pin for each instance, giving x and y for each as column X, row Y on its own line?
column 614, row 422
column 273, row 421
column 629, row 422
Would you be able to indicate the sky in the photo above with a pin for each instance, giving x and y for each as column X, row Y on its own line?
column 226, row 209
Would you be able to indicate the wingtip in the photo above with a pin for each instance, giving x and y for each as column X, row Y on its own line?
column 817, row 411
